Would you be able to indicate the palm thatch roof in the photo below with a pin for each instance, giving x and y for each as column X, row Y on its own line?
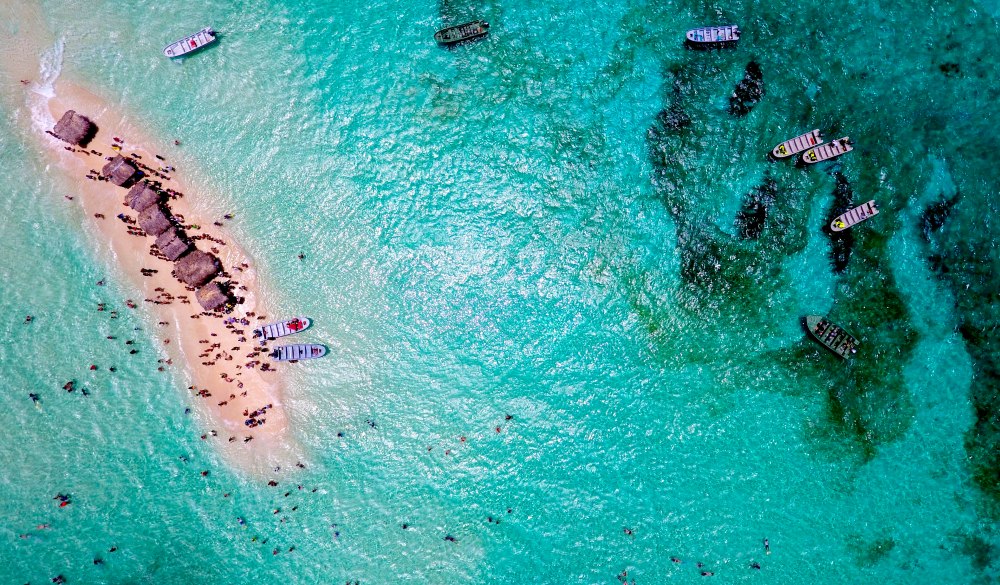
column 172, row 244
column 118, row 171
column 196, row 268
column 154, row 221
column 75, row 129
column 141, row 196
column 212, row 296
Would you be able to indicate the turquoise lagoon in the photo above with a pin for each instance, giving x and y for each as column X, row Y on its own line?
column 512, row 228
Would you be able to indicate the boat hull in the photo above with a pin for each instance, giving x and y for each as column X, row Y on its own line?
column 282, row 328
column 854, row 216
column 793, row 146
column 462, row 32
column 831, row 336
column 190, row 43
column 827, row 151
column 713, row 36
column 299, row 351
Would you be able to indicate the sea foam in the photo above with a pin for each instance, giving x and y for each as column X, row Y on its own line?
column 50, row 66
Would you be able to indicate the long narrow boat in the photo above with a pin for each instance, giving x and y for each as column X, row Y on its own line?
column 828, row 150
column 462, row 32
column 300, row 351
column 832, row 336
column 796, row 145
column 281, row 328
column 854, row 216
column 191, row 43
column 714, row 35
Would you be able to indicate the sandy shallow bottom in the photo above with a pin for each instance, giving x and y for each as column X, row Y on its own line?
column 215, row 356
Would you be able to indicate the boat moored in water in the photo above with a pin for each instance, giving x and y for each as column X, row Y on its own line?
column 793, row 146
column 462, row 32
column 300, row 351
column 191, row 43
column 713, row 35
column 281, row 328
column 854, row 216
column 832, row 336
column 827, row 151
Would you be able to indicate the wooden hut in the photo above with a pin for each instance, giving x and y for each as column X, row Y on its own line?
column 118, row 171
column 141, row 196
column 212, row 296
column 172, row 244
column 75, row 129
column 196, row 268
column 154, row 221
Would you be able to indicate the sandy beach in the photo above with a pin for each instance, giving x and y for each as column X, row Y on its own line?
column 220, row 360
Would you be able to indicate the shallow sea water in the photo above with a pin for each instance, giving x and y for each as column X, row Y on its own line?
column 503, row 228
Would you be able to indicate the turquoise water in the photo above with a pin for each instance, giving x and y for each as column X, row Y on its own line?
column 507, row 228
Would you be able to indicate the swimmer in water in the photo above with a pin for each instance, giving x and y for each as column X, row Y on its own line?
column 767, row 546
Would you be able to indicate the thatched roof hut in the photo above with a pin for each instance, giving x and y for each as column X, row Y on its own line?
column 172, row 244
column 196, row 268
column 75, row 129
column 154, row 221
column 141, row 196
column 118, row 171
column 212, row 296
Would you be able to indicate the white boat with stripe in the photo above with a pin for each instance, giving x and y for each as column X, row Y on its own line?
column 190, row 43
column 798, row 144
column 854, row 216
column 300, row 351
column 282, row 328
column 705, row 35
column 827, row 151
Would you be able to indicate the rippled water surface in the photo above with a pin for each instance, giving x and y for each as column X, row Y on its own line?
column 541, row 225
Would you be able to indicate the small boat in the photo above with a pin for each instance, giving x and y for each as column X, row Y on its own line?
column 300, row 351
column 797, row 144
column 832, row 336
column 828, row 150
column 854, row 216
column 714, row 35
column 189, row 44
column 281, row 328
column 462, row 32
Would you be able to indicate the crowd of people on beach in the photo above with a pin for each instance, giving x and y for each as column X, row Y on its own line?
column 215, row 352
column 254, row 419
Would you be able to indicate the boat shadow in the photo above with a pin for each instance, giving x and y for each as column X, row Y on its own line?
column 709, row 46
